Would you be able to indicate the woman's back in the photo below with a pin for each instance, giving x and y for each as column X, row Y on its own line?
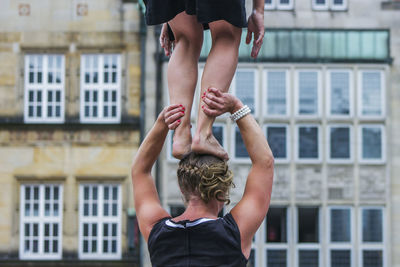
column 202, row 242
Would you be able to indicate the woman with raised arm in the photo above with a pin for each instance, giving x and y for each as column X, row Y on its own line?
column 198, row 237
column 182, row 40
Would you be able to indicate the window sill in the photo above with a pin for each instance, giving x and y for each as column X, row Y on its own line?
column 390, row 5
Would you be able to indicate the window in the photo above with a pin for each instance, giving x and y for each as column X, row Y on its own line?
column 308, row 240
column 372, row 143
column 372, row 237
column 308, row 147
column 44, row 89
column 246, row 87
column 308, row 84
column 41, row 222
column 100, row 222
column 334, row 5
column 371, row 92
column 340, row 236
column 100, row 88
column 340, row 143
column 278, row 4
column 276, row 238
column 278, row 140
column 276, row 93
column 340, row 98
column 240, row 151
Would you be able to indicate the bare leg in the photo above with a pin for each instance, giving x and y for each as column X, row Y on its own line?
column 218, row 73
column 182, row 75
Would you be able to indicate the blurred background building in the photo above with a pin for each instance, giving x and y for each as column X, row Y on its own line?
column 325, row 89
column 81, row 82
column 70, row 81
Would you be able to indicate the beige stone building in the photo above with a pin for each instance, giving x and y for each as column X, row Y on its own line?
column 70, row 122
column 325, row 89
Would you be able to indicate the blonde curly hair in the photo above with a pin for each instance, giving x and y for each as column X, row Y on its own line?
column 205, row 176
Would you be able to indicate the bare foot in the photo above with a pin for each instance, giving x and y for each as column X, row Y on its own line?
column 207, row 144
column 182, row 141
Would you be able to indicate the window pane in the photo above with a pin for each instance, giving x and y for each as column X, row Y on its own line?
column 340, row 93
column 276, row 93
column 276, row 136
column 372, row 258
column 340, row 258
column 245, row 84
column 276, row 225
column 308, row 143
column 371, row 93
column 284, row 2
column 240, row 149
column 308, row 258
column 218, row 132
column 338, row 2
column 276, row 258
column 340, row 143
column 308, row 227
column 372, row 225
column 371, row 143
column 308, row 93
column 340, row 225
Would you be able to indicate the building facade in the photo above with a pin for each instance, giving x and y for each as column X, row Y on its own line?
column 70, row 122
column 325, row 90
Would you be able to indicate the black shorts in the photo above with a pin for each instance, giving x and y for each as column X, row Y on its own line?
column 232, row 11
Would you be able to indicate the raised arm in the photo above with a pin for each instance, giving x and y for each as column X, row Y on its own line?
column 250, row 212
column 147, row 204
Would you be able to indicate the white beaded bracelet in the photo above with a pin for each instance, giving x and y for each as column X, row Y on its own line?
column 245, row 110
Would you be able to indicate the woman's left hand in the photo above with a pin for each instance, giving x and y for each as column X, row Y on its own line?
column 171, row 115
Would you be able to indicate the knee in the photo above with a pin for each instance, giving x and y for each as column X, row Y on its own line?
column 230, row 35
column 190, row 41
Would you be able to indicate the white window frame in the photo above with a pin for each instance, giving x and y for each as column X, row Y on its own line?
column 256, row 85
column 329, row 91
column 277, row 246
column 100, row 87
column 308, row 246
column 372, row 246
column 276, row 5
column 340, row 245
column 99, row 220
column 296, row 145
column 233, row 147
column 383, row 95
column 288, row 144
column 265, row 92
column 360, row 144
column 44, row 88
column 297, row 94
column 351, row 144
column 40, row 220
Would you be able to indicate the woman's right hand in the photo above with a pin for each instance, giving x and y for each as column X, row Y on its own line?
column 217, row 103
column 171, row 115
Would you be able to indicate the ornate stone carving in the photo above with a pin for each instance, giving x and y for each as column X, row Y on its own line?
column 340, row 182
column 308, row 183
column 372, row 183
column 24, row 9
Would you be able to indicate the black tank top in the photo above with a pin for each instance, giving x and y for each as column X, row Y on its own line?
column 202, row 242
